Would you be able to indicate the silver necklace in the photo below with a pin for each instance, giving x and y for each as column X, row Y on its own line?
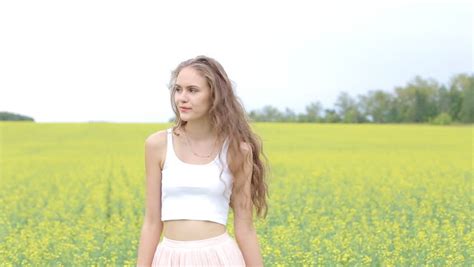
column 187, row 141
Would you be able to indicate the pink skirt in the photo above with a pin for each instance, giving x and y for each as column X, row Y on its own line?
column 221, row 250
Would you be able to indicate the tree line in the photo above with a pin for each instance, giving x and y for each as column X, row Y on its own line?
column 419, row 101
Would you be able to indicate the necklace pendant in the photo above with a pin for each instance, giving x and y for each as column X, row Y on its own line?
column 202, row 156
column 188, row 143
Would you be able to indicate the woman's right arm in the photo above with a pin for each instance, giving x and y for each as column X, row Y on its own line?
column 152, row 224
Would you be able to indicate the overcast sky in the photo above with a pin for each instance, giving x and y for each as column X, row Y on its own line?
column 77, row 61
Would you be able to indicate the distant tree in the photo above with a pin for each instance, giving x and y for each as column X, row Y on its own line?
column 313, row 111
column 443, row 100
column 348, row 108
column 9, row 116
column 302, row 117
column 289, row 115
column 271, row 113
column 378, row 105
column 417, row 101
column 267, row 113
column 455, row 101
column 442, row 119
column 467, row 109
column 331, row 116
column 464, row 83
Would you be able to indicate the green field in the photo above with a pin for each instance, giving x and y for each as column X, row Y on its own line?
column 340, row 194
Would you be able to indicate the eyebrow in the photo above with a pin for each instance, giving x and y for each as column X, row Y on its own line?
column 189, row 86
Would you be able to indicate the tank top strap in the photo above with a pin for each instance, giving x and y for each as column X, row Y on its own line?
column 225, row 148
column 170, row 156
column 226, row 145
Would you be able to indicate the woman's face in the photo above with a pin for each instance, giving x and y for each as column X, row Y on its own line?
column 192, row 92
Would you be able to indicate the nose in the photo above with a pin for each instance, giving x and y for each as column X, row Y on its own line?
column 181, row 97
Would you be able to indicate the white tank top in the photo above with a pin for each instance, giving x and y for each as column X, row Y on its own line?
column 194, row 191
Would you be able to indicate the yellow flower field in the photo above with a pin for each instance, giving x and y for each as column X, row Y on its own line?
column 340, row 194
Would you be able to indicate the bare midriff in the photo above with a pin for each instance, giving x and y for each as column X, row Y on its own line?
column 191, row 229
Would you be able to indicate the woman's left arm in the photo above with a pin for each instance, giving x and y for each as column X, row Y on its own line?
column 245, row 233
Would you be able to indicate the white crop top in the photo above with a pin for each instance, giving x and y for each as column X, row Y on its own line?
column 194, row 191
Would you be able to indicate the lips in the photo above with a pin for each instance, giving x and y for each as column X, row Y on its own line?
column 184, row 109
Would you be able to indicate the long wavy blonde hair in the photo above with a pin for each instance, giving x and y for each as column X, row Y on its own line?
column 228, row 115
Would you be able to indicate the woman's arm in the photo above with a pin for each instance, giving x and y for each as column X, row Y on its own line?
column 245, row 233
column 152, row 224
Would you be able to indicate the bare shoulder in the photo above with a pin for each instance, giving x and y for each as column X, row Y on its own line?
column 156, row 139
column 155, row 146
column 245, row 147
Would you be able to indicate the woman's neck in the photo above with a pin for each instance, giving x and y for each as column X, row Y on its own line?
column 199, row 132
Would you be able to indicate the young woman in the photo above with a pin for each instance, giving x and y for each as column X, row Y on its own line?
column 209, row 160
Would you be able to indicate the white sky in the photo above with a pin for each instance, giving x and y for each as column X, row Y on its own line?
column 76, row 61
